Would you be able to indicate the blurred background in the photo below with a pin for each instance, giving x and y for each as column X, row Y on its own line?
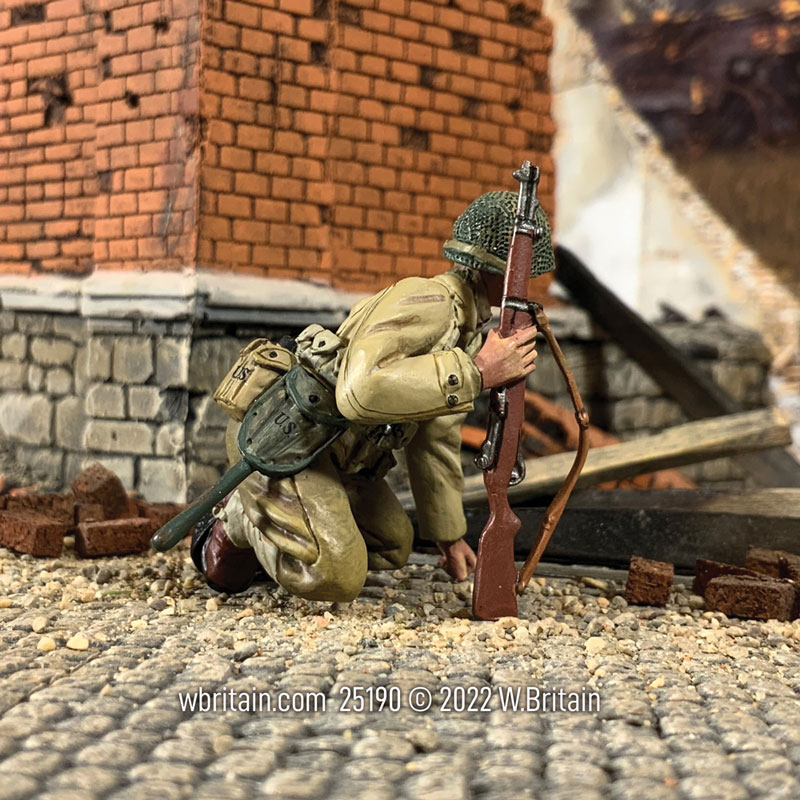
column 716, row 85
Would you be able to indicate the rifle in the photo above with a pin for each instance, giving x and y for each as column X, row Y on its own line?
column 497, row 582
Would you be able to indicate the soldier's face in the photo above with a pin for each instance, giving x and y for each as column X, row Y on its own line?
column 494, row 287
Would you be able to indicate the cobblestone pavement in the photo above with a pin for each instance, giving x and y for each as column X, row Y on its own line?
column 96, row 657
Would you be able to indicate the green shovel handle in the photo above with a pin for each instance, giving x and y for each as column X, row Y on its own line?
column 167, row 536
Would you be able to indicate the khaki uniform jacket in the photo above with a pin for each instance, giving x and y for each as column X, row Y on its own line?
column 409, row 359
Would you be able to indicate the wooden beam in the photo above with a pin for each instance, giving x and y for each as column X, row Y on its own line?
column 697, row 394
column 684, row 444
column 543, row 411
column 674, row 525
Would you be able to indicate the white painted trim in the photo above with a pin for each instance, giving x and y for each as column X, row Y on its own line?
column 149, row 295
column 245, row 291
column 165, row 295
column 40, row 293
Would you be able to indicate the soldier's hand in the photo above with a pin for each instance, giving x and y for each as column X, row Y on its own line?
column 504, row 361
column 458, row 559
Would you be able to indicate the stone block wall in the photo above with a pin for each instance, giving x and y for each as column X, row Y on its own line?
column 76, row 391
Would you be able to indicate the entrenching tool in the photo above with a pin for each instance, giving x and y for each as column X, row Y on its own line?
column 284, row 430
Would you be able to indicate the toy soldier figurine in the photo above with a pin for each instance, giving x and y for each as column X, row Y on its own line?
column 404, row 368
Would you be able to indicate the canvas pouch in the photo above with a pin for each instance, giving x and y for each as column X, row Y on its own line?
column 258, row 366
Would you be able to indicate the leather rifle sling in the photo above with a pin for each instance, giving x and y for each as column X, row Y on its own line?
column 559, row 502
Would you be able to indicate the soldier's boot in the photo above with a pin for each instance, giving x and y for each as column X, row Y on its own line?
column 227, row 568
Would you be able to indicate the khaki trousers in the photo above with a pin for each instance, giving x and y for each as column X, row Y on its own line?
column 318, row 532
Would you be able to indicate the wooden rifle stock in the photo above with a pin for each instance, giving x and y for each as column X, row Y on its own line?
column 494, row 594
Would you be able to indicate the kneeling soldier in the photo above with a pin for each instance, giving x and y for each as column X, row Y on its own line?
column 406, row 366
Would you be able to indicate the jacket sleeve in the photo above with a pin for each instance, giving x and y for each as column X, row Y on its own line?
column 389, row 372
column 433, row 458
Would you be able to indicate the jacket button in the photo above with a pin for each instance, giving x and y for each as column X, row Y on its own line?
column 453, row 380
column 452, row 400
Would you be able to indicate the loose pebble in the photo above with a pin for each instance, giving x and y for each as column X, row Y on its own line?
column 78, row 642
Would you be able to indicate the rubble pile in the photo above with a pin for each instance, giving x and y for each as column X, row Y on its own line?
column 766, row 587
column 705, row 571
column 104, row 519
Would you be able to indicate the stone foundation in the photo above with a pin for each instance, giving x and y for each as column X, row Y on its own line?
column 76, row 390
column 84, row 383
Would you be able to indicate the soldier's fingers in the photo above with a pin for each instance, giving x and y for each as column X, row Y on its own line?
column 525, row 335
column 529, row 359
column 524, row 349
column 458, row 567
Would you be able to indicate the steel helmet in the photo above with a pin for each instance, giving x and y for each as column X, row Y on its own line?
column 482, row 235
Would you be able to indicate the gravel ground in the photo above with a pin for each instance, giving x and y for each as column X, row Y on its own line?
column 96, row 657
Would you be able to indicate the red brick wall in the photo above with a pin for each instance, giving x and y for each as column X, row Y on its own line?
column 47, row 174
column 292, row 138
column 344, row 138
column 148, row 132
column 98, row 138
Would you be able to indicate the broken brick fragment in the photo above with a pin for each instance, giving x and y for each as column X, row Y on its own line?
column 751, row 598
column 705, row 571
column 58, row 507
column 789, row 564
column 97, row 485
column 158, row 513
column 775, row 563
column 649, row 582
column 88, row 512
column 790, row 570
column 116, row 537
column 763, row 561
column 27, row 531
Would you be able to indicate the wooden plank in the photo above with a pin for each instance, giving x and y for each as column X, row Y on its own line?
column 697, row 394
column 674, row 525
column 546, row 413
column 684, row 444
